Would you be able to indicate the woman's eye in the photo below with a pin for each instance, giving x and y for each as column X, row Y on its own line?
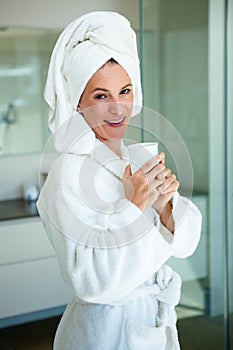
column 125, row 91
column 100, row 97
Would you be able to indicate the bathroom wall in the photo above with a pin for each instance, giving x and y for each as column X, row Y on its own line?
column 57, row 14
column 184, row 89
column 175, row 77
column 24, row 57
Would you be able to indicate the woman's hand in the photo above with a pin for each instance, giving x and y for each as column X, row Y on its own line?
column 142, row 188
column 167, row 189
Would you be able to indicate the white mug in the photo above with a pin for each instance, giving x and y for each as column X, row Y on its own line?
column 140, row 153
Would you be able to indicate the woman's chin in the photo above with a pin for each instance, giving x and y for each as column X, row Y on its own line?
column 112, row 133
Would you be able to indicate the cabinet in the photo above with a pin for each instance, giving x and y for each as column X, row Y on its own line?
column 31, row 283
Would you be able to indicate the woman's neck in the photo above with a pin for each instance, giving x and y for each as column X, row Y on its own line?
column 114, row 145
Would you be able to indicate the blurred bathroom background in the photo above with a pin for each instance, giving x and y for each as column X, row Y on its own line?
column 23, row 67
column 186, row 54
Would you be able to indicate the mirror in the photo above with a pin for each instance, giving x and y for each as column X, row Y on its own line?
column 24, row 60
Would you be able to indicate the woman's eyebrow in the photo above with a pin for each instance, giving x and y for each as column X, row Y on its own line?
column 127, row 85
column 99, row 88
column 106, row 90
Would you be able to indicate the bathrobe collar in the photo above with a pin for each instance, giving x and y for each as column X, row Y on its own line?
column 76, row 137
column 109, row 160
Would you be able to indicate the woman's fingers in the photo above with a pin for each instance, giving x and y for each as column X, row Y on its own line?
column 150, row 164
column 152, row 183
column 170, row 184
column 153, row 168
column 164, row 174
column 142, row 188
column 127, row 172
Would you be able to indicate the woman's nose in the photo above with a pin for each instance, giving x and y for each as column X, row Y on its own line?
column 116, row 108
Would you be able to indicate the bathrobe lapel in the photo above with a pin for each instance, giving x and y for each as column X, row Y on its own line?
column 104, row 156
column 78, row 138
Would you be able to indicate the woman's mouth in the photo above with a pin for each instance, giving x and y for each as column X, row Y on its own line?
column 115, row 122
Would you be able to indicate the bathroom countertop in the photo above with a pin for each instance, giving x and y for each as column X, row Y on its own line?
column 20, row 209
column 17, row 209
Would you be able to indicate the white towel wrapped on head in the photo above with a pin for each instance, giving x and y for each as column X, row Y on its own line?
column 82, row 48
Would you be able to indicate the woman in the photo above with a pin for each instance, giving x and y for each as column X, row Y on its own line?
column 112, row 230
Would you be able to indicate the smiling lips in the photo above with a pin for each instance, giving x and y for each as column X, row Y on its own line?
column 115, row 123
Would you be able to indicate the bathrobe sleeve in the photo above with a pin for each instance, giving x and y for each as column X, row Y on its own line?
column 97, row 273
column 188, row 223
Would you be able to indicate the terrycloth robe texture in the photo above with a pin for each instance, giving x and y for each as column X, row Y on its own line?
column 124, row 296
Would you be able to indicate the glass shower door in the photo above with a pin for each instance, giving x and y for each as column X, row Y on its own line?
column 186, row 49
column 229, row 114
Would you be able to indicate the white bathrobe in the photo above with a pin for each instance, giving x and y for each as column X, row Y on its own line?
column 124, row 295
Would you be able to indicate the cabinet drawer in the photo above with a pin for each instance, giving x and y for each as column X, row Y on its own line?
column 32, row 286
column 23, row 241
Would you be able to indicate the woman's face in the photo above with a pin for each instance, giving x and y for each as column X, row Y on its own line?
column 106, row 102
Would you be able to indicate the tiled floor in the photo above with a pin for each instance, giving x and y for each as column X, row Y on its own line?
column 202, row 333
